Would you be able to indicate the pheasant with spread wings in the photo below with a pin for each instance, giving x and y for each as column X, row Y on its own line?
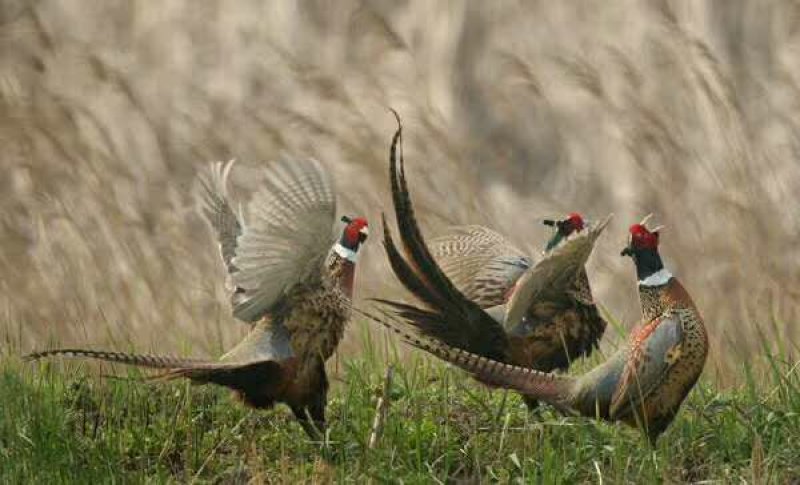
column 561, row 324
column 290, row 278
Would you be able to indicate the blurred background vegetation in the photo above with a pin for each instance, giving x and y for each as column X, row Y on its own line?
column 513, row 111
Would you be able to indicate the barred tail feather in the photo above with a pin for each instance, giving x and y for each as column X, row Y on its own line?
column 410, row 234
column 139, row 360
column 448, row 316
column 257, row 382
column 406, row 273
column 551, row 388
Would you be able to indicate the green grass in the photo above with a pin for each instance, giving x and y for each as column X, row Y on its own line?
column 63, row 423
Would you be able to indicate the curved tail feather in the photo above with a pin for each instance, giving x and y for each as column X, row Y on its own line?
column 450, row 317
column 551, row 388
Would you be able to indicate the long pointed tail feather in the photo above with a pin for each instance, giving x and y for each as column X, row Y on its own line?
column 256, row 380
column 551, row 388
column 408, row 274
column 449, row 316
column 139, row 360
column 410, row 234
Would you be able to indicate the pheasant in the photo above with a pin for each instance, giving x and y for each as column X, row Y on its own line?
column 483, row 295
column 290, row 278
column 643, row 384
column 562, row 324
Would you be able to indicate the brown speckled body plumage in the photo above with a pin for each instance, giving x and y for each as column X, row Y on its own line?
column 288, row 277
column 687, row 357
column 559, row 327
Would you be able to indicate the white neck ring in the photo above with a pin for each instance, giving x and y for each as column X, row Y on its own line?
column 659, row 278
column 345, row 253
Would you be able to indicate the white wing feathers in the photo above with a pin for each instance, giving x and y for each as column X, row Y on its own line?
column 288, row 236
column 216, row 207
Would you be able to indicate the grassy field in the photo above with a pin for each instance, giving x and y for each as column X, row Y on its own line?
column 62, row 423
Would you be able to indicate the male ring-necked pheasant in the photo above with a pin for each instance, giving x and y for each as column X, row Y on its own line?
column 290, row 278
column 643, row 384
column 561, row 324
column 483, row 295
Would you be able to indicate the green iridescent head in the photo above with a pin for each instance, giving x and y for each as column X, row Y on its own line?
column 563, row 229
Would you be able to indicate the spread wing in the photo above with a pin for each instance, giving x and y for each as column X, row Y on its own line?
column 287, row 238
column 218, row 210
column 480, row 262
column 556, row 272
column 653, row 350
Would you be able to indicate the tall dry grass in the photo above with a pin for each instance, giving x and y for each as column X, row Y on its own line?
column 513, row 110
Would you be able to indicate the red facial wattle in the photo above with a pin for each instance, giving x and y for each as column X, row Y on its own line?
column 355, row 232
column 575, row 221
column 642, row 238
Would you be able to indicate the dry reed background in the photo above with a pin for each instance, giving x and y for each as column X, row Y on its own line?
column 513, row 111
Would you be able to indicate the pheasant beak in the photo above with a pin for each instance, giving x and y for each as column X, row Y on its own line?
column 564, row 228
column 628, row 251
column 363, row 234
